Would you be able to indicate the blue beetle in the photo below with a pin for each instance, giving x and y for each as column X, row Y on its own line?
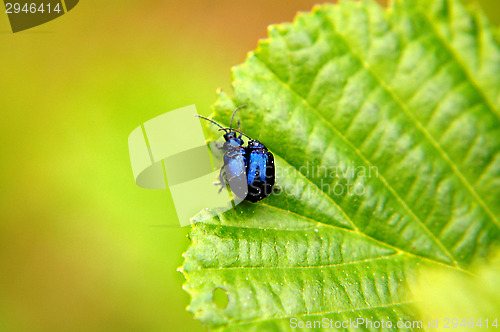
column 250, row 170
column 235, row 159
column 260, row 171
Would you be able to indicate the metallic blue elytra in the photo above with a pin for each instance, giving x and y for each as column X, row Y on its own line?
column 260, row 171
column 250, row 170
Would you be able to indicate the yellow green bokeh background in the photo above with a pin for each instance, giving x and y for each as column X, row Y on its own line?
column 81, row 246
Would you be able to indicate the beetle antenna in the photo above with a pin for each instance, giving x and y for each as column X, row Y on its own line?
column 232, row 117
column 209, row 120
column 235, row 130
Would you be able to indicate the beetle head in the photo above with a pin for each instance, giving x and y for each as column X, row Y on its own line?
column 232, row 139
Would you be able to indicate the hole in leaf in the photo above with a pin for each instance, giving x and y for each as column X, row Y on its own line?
column 220, row 298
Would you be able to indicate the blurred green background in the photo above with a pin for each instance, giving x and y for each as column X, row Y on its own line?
column 79, row 248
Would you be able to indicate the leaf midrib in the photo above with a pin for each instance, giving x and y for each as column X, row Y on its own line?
column 310, row 267
column 399, row 251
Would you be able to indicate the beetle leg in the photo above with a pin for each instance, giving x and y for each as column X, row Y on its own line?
column 219, row 146
column 221, row 180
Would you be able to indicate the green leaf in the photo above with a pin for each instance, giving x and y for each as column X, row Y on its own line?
column 400, row 108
